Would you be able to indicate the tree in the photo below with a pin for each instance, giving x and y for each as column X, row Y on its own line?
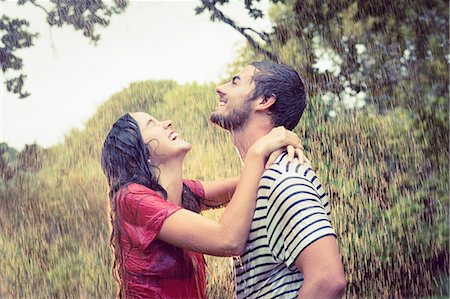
column 8, row 161
column 83, row 15
column 390, row 54
column 387, row 163
column 255, row 13
column 380, row 43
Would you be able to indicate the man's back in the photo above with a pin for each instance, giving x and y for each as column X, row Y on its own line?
column 292, row 211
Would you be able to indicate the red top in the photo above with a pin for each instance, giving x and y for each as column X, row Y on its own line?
column 153, row 268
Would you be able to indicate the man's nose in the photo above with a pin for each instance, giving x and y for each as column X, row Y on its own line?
column 220, row 92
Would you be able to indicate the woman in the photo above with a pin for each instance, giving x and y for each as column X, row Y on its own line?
column 157, row 233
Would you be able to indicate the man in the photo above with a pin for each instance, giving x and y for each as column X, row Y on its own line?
column 292, row 250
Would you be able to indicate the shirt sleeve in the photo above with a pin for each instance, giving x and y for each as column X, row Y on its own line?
column 195, row 187
column 296, row 217
column 143, row 214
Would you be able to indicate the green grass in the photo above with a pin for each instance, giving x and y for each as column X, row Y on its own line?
column 389, row 199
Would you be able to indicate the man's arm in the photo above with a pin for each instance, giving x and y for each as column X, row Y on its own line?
column 322, row 268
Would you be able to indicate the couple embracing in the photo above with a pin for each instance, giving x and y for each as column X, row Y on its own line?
column 276, row 222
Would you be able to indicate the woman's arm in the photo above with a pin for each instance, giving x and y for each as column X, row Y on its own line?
column 228, row 236
column 219, row 192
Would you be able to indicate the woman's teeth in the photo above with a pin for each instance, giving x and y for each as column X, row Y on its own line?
column 173, row 136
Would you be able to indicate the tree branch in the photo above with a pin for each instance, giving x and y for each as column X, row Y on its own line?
column 39, row 6
column 263, row 35
column 216, row 13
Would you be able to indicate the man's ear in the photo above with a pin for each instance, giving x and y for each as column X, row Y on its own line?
column 265, row 102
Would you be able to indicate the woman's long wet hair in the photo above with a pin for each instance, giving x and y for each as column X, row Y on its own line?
column 125, row 161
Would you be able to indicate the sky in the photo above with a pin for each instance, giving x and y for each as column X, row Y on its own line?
column 68, row 77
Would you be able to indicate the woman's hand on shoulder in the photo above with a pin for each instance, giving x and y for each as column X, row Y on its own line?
column 279, row 139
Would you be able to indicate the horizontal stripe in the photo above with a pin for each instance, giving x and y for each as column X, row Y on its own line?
column 254, row 267
column 284, row 293
column 252, row 277
column 249, row 241
column 278, row 287
column 259, row 218
column 268, row 177
column 296, row 224
column 280, row 218
column 281, row 157
column 261, row 208
column 252, row 259
column 309, row 225
column 277, row 202
column 286, row 275
column 263, row 187
column 257, row 228
column 309, row 243
column 280, row 203
column 307, row 171
column 272, row 169
column 246, row 253
column 291, row 178
column 257, row 282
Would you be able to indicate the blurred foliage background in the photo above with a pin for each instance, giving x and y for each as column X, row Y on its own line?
column 376, row 130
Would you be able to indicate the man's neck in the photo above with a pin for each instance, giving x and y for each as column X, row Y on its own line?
column 244, row 138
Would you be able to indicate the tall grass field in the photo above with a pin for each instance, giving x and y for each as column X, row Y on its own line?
column 389, row 210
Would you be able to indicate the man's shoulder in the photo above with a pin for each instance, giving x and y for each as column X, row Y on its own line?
column 288, row 169
column 285, row 177
column 274, row 171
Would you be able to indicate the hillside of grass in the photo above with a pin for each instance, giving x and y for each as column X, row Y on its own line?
column 389, row 206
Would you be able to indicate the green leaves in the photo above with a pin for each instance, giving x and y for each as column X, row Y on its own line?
column 15, row 36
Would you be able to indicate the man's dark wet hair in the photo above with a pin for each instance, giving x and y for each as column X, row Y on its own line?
column 283, row 82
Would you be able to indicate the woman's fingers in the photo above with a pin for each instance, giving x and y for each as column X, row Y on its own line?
column 307, row 161
column 295, row 140
column 300, row 155
column 277, row 138
column 296, row 152
column 291, row 152
column 273, row 156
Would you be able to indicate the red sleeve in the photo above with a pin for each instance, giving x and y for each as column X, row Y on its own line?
column 196, row 187
column 143, row 213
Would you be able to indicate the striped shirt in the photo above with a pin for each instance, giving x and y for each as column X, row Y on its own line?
column 292, row 211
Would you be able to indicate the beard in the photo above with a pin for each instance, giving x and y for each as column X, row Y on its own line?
column 232, row 120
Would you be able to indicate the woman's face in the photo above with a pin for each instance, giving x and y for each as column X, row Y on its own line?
column 162, row 142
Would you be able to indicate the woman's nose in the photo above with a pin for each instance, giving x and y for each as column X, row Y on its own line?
column 167, row 123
